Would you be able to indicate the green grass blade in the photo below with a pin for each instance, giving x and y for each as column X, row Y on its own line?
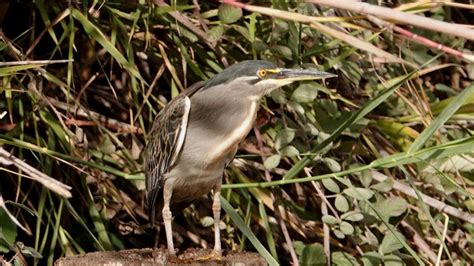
column 441, row 119
column 441, row 151
column 235, row 217
column 97, row 35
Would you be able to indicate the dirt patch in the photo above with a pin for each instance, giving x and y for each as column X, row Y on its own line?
column 150, row 256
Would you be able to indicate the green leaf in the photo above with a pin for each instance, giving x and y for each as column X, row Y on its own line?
column 352, row 216
column 371, row 259
column 331, row 185
column 339, row 234
column 332, row 164
column 107, row 146
column 469, row 204
column 343, row 259
column 289, row 151
column 365, row 178
column 358, row 193
column 390, row 243
column 346, row 228
column 272, row 162
column 392, row 260
column 215, row 33
column 299, row 247
column 305, row 93
column 29, row 251
column 279, row 96
column 297, row 107
column 371, row 239
column 284, row 137
column 8, row 232
column 384, row 186
column 243, row 31
column 284, row 51
column 329, row 219
column 313, row 254
column 229, row 14
column 341, row 203
column 391, row 207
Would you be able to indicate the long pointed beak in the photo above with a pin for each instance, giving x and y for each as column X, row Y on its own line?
column 302, row 74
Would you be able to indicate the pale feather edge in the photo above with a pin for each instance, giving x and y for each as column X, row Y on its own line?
column 182, row 132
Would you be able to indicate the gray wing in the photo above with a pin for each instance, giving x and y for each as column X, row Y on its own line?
column 165, row 141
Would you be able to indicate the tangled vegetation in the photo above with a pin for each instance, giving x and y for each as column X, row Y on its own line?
column 372, row 167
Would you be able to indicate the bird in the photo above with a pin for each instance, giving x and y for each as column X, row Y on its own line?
column 196, row 136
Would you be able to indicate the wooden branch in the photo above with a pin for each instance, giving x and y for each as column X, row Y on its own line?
column 150, row 256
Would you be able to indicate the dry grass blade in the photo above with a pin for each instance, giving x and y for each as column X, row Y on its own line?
column 391, row 14
column 52, row 184
column 12, row 218
column 34, row 62
column 185, row 21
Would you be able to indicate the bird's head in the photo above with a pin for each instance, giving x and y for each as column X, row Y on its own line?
column 255, row 78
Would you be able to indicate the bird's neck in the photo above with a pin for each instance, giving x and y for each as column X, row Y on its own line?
column 226, row 121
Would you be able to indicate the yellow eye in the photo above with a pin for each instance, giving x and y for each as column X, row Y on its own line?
column 262, row 73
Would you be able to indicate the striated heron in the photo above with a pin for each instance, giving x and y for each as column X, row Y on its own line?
column 196, row 136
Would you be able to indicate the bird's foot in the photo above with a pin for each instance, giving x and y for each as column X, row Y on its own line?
column 172, row 252
column 214, row 255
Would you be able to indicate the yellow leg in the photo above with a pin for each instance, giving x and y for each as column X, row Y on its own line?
column 216, row 209
column 167, row 215
column 216, row 253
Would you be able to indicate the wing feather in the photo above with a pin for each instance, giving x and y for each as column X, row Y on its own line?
column 166, row 139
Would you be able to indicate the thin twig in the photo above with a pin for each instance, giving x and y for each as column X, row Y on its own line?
column 420, row 242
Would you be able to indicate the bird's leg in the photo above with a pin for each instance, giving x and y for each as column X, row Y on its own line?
column 216, row 209
column 216, row 253
column 167, row 216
